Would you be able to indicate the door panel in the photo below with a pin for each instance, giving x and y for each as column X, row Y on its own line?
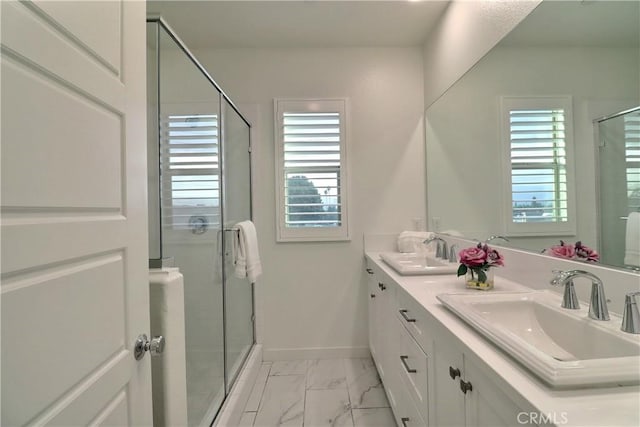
column 100, row 38
column 74, row 235
column 71, row 126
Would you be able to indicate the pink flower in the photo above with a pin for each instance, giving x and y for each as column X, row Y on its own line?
column 586, row 252
column 494, row 258
column 473, row 257
column 562, row 250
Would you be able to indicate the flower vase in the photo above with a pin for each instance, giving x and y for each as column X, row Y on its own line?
column 474, row 280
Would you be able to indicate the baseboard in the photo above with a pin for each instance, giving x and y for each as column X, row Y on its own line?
column 234, row 405
column 315, row 353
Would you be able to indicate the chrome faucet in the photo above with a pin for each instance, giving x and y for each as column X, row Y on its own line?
column 441, row 249
column 598, row 305
column 496, row 237
column 631, row 316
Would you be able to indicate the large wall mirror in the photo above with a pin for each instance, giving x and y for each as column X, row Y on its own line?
column 514, row 148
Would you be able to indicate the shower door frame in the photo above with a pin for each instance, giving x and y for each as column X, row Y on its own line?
column 159, row 263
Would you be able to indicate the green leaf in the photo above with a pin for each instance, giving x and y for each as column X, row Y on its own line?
column 462, row 270
column 482, row 276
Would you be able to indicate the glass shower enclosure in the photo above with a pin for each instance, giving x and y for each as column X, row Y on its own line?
column 199, row 189
column 619, row 187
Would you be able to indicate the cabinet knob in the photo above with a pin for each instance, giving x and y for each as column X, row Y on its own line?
column 454, row 372
column 465, row 386
column 373, row 295
column 370, row 271
column 404, row 420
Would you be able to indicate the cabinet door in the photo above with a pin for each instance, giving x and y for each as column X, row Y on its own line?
column 373, row 301
column 386, row 336
column 487, row 404
column 448, row 404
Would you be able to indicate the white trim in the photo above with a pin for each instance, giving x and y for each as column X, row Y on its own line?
column 234, row 405
column 311, row 353
column 290, row 234
column 510, row 228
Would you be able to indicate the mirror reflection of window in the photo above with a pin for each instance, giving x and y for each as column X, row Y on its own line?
column 632, row 156
column 538, row 165
column 537, row 149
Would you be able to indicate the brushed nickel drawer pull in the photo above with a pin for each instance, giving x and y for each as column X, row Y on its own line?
column 403, row 359
column 454, row 372
column 403, row 312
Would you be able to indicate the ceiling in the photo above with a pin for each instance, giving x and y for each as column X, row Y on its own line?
column 299, row 23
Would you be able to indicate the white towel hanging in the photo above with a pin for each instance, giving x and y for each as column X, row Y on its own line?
column 247, row 257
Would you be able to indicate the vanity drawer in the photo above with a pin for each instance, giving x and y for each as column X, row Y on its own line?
column 413, row 367
column 415, row 318
column 406, row 412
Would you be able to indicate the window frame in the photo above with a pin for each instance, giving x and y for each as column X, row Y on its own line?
column 311, row 234
column 541, row 229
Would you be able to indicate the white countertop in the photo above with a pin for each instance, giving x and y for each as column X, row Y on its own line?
column 618, row 406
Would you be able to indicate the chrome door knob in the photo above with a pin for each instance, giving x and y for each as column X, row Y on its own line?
column 142, row 345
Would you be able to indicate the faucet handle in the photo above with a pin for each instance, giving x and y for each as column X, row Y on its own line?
column 598, row 305
column 570, row 298
column 453, row 257
column 631, row 316
column 439, row 249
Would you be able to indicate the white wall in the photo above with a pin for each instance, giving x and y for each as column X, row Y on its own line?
column 465, row 33
column 463, row 135
column 311, row 298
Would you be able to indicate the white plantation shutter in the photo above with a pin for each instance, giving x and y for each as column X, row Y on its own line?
column 632, row 156
column 190, row 170
column 538, row 143
column 311, row 168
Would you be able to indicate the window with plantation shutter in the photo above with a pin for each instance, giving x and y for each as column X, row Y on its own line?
column 537, row 146
column 311, row 169
column 632, row 156
column 190, row 172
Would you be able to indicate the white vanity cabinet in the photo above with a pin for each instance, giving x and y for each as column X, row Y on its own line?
column 401, row 362
column 427, row 376
column 464, row 394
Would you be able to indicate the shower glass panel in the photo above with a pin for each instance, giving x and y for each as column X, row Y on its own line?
column 199, row 189
column 619, row 162
column 237, row 207
column 191, row 215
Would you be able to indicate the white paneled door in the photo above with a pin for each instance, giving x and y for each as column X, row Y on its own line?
column 74, row 220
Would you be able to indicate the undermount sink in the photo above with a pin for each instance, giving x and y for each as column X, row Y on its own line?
column 565, row 348
column 414, row 264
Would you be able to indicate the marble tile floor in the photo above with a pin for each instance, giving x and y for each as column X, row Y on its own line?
column 318, row 393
